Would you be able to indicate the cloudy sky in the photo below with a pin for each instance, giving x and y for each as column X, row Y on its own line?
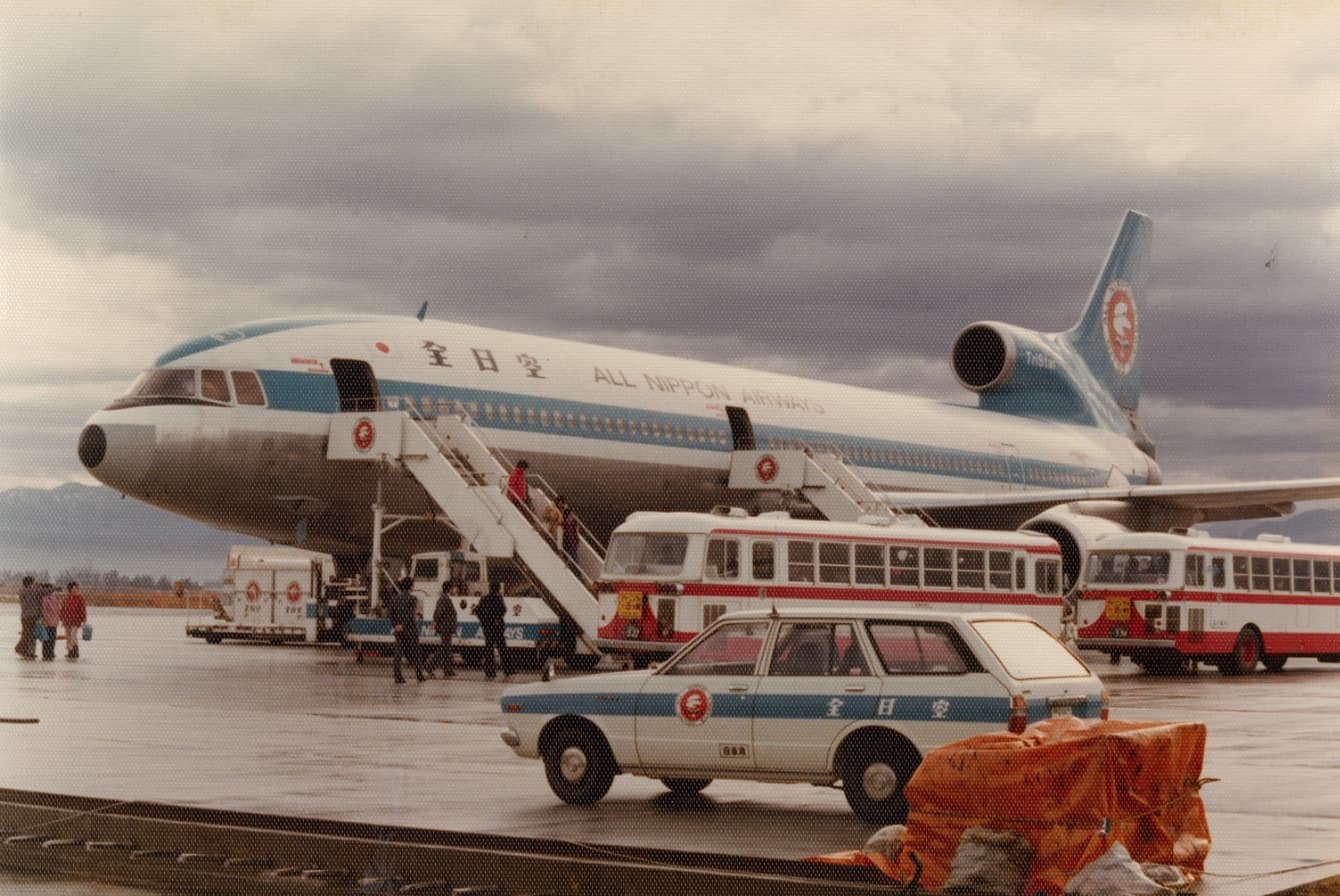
column 826, row 190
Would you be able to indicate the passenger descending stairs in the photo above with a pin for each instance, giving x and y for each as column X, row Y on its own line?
column 819, row 477
column 465, row 478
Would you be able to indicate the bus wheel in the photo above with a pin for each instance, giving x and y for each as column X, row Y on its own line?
column 213, row 638
column 1246, row 653
column 1273, row 663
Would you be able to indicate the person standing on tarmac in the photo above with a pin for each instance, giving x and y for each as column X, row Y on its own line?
column 30, row 613
column 444, row 623
column 492, row 611
column 50, row 619
column 73, row 615
column 402, row 613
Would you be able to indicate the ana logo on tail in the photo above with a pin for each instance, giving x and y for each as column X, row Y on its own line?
column 1120, row 326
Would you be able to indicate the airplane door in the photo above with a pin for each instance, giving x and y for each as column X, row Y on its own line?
column 1014, row 467
column 741, row 428
column 356, row 384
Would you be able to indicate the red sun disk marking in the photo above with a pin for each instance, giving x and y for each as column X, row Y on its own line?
column 294, row 592
column 383, row 348
column 694, row 705
column 1120, row 326
column 364, row 434
column 766, row 468
column 254, row 591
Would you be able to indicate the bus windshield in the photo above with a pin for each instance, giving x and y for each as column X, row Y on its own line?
column 646, row 554
column 1128, row 567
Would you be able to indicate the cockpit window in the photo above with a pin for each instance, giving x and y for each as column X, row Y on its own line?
column 189, row 385
column 167, row 382
column 214, row 385
column 248, row 388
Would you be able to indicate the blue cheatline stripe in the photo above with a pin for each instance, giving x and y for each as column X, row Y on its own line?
column 316, row 393
column 790, row 707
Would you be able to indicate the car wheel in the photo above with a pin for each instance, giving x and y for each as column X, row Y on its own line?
column 1246, row 653
column 579, row 767
column 873, row 777
column 1273, row 663
column 685, row 786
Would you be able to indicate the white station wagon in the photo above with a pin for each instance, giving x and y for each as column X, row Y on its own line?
column 817, row 696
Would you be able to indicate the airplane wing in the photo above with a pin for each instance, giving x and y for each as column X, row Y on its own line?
column 1158, row 507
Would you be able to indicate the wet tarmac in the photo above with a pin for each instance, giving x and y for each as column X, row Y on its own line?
column 148, row 714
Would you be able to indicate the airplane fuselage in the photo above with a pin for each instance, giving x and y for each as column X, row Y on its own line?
column 613, row 430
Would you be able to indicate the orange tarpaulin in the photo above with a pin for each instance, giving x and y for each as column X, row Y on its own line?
column 1071, row 788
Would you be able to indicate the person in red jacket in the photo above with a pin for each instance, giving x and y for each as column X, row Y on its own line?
column 73, row 614
column 516, row 485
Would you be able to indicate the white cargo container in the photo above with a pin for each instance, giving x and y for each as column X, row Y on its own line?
column 281, row 594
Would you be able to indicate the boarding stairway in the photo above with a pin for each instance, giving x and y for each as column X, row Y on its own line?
column 819, row 477
column 467, row 479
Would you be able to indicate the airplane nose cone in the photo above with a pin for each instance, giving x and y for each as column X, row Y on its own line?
column 92, row 446
column 118, row 454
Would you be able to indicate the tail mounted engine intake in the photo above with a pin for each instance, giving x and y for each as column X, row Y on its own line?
column 1090, row 374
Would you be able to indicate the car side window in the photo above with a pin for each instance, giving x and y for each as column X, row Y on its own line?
column 732, row 649
column 921, row 648
column 817, row 649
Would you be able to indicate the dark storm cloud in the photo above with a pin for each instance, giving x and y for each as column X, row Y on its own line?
column 310, row 167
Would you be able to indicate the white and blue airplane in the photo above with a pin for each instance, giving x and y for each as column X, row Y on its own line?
column 231, row 428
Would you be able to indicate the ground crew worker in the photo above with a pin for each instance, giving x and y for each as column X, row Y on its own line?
column 402, row 613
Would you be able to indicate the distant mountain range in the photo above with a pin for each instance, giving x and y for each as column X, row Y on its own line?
column 76, row 526
column 81, row 526
column 1311, row 526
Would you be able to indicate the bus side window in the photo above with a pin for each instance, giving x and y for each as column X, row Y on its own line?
column 1282, row 579
column 1195, row 570
column 1217, row 576
column 1321, row 576
column 800, row 561
column 1020, row 573
column 764, row 561
column 1260, row 573
column 904, row 566
column 723, row 558
column 1241, row 581
column 1000, row 580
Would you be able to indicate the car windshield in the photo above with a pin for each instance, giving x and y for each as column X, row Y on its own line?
column 1026, row 650
column 646, row 554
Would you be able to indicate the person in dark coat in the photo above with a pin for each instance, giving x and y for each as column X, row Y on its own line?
column 492, row 611
column 444, row 623
column 30, row 613
column 402, row 613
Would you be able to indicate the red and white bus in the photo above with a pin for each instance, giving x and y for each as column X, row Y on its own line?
column 1166, row 601
column 667, row 576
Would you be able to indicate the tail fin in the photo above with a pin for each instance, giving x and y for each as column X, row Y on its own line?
column 1107, row 335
